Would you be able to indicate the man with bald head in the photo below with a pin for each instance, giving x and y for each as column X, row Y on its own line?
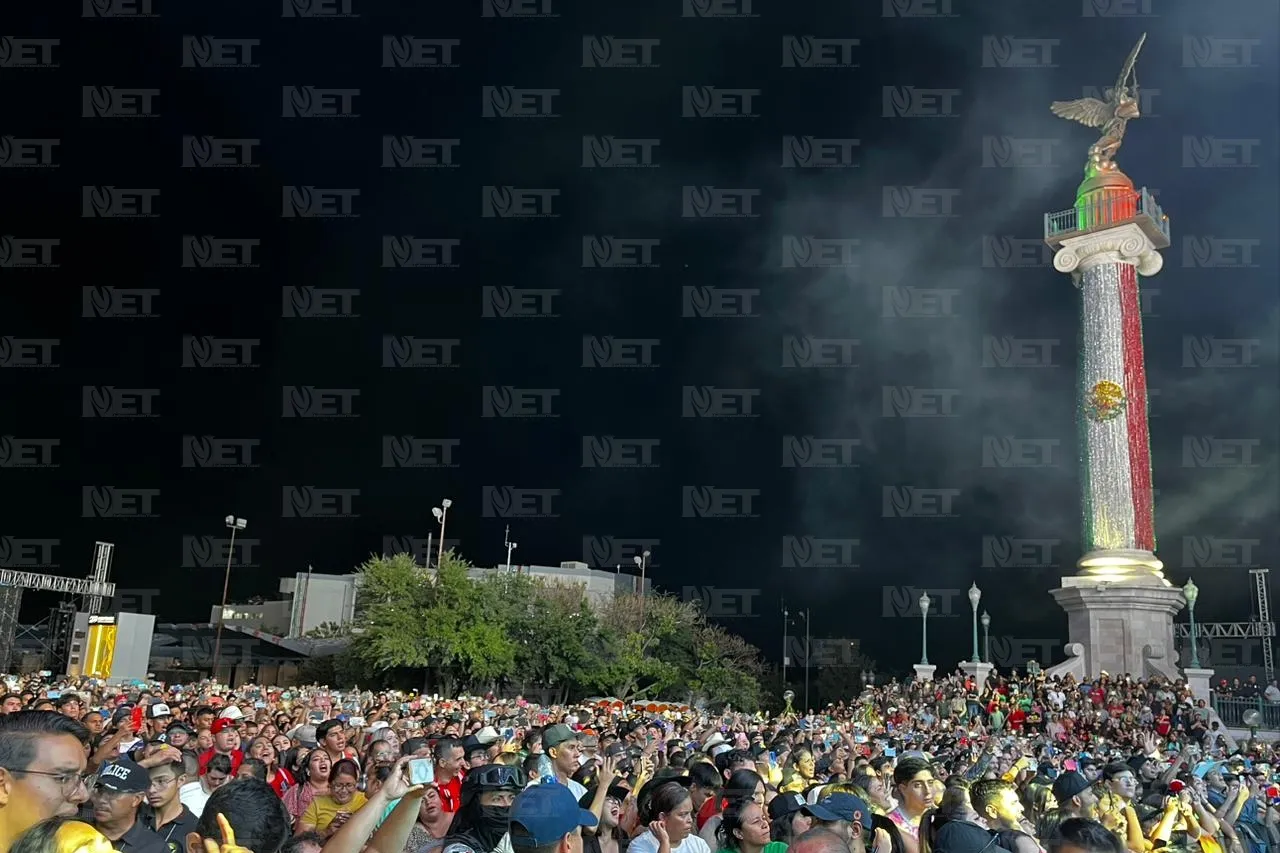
column 819, row 841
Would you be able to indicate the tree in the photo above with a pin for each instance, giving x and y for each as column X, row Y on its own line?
column 519, row 631
column 329, row 631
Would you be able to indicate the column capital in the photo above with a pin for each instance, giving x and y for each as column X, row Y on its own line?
column 1123, row 244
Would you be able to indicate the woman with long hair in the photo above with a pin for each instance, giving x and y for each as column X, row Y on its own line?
column 668, row 815
column 607, row 836
column 278, row 778
column 744, row 828
column 742, row 783
column 329, row 812
column 315, row 767
column 955, row 806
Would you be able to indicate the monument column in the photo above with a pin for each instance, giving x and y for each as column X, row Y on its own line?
column 1119, row 606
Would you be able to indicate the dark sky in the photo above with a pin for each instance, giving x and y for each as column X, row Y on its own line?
column 593, row 282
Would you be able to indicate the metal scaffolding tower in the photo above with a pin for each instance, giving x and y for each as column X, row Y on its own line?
column 94, row 590
column 1264, row 617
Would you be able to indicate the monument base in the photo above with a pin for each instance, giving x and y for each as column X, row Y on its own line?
column 1121, row 627
column 1200, row 681
column 979, row 672
column 924, row 671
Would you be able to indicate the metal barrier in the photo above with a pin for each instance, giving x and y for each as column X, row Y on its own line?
column 1109, row 210
column 1232, row 708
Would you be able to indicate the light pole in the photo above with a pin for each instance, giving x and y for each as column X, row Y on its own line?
column 441, row 513
column 511, row 546
column 975, row 595
column 986, row 636
column 924, row 629
column 786, row 621
column 233, row 524
column 807, row 655
column 1191, row 592
column 642, row 560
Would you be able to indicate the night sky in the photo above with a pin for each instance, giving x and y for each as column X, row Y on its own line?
column 738, row 281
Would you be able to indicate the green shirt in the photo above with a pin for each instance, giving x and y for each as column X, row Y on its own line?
column 771, row 847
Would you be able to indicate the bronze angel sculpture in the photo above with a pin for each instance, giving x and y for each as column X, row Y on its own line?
column 1111, row 115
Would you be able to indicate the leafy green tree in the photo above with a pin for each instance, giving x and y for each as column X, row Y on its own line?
column 725, row 668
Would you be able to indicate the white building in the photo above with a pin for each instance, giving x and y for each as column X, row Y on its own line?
column 600, row 585
column 310, row 600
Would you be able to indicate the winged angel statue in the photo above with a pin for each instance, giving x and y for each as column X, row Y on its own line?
column 1111, row 115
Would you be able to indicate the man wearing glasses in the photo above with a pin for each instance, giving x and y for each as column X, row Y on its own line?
column 42, row 762
column 168, row 817
column 117, row 796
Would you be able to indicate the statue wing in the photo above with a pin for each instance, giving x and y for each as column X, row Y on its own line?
column 1088, row 111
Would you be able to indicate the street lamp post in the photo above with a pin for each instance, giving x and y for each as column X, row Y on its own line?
column 808, row 655
column 986, row 636
column 442, row 514
column 924, row 629
column 642, row 560
column 975, row 595
column 234, row 525
column 1191, row 592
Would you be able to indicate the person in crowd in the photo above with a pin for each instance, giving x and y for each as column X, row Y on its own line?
column 1081, row 835
column 481, row 823
column 913, row 790
column 667, row 814
column 277, row 777
column 62, row 835
column 167, row 817
column 743, row 783
column 315, row 783
column 450, row 760
column 432, row 823
column 332, row 737
column 547, row 819
column 245, row 814
column 819, row 840
column 42, row 770
column 328, row 812
column 118, row 794
column 226, row 742
column 997, row 805
column 194, row 794
column 744, row 828
column 787, row 818
column 607, row 836
column 563, row 748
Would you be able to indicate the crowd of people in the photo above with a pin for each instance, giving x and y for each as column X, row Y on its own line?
column 1020, row 764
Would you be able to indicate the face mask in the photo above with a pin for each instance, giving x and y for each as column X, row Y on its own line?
column 495, row 818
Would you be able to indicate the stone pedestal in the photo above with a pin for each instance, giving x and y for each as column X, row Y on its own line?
column 924, row 671
column 1199, row 680
column 979, row 672
column 1123, row 628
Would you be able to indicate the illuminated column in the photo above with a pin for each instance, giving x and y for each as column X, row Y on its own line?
column 1111, row 237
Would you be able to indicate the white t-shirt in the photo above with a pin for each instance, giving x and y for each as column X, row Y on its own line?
column 193, row 796
column 576, row 788
column 647, row 842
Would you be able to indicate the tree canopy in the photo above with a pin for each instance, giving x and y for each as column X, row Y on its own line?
column 523, row 634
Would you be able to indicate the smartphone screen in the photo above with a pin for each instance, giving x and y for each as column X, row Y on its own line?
column 422, row 771
column 136, row 718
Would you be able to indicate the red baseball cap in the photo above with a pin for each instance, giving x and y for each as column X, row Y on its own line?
column 221, row 724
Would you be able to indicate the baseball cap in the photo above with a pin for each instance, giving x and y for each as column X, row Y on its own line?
column 231, row 712
column 124, row 776
column 557, row 734
column 841, row 806
column 305, row 735
column 543, row 814
column 158, row 710
column 784, row 805
column 1068, row 785
column 221, row 724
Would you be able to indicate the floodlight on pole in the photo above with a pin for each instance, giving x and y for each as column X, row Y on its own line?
column 441, row 514
column 642, row 560
column 235, row 525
